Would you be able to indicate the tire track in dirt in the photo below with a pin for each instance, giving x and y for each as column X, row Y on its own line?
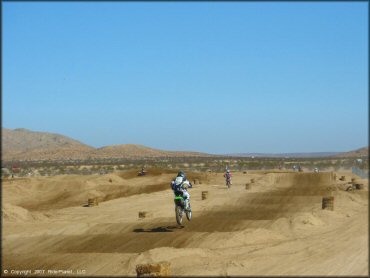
column 248, row 210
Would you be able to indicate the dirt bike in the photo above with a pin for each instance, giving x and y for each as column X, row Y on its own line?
column 142, row 173
column 180, row 208
column 228, row 181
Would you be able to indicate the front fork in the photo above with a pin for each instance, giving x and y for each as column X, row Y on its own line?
column 187, row 204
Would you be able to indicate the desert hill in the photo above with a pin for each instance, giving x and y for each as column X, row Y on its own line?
column 132, row 150
column 23, row 144
column 362, row 152
column 22, row 139
column 20, row 143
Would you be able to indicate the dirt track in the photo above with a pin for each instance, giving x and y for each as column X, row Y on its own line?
column 275, row 228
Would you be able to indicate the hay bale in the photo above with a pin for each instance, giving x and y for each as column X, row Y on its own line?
column 248, row 186
column 328, row 203
column 252, row 180
column 145, row 214
column 154, row 269
column 92, row 202
column 359, row 186
column 244, row 172
column 342, row 178
column 197, row 181
column 204, row 195
column 110, row 180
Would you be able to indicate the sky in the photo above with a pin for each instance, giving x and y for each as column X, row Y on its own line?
column 212, row 77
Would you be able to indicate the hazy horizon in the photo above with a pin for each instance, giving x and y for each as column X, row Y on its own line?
column 217, row 153
column 219, row 78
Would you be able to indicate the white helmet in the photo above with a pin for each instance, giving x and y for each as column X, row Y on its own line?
column 179, row 180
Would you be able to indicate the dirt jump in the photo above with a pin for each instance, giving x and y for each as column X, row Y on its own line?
column 276, row 227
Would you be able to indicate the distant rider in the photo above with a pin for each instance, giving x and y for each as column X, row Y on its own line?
column 180, row 185
column 228, row 175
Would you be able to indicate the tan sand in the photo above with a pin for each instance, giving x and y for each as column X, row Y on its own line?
column 276, row 228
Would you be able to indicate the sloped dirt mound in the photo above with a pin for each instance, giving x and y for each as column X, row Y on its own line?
column 305, row 179
column 300, row 192
column 16, row 213
column 150, row 172
column 65, row 198
column 129, row 191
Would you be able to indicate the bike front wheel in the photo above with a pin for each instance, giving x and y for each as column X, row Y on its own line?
column 188, row 215
column 178, row 211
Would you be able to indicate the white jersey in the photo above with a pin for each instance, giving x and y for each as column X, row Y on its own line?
column 181, row 184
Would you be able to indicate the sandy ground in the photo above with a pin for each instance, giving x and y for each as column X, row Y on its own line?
column 277, row 227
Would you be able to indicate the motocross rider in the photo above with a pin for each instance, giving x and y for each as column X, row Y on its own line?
column 228, row 175
column 181, row 184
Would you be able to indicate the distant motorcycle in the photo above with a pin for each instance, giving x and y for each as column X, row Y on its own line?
column 228, row 182
column 142, row 173
column 180, row 208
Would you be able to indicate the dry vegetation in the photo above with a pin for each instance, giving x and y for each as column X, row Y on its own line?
column 200, row 164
